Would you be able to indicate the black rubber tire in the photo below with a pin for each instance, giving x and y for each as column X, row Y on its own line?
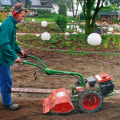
column 90, row 101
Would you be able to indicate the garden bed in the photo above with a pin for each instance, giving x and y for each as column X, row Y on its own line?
column 35, row 27
column 74, row 42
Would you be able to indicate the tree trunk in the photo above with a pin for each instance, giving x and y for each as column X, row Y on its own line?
column 90, row 25
column 26, row 3
column 73, row 8
column 89, row 28
column 77, row 7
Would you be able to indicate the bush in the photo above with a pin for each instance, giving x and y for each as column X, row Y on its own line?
column 115, row 20
column 43, row 13
column 7, row 7
column 61, row 21
column 82, row 16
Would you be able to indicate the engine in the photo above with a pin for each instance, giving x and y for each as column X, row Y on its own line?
column 103, row 81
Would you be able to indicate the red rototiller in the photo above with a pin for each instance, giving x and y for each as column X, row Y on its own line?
column 87, row 93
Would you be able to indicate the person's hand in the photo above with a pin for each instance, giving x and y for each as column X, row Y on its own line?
column 22, row 52
column 18, row 60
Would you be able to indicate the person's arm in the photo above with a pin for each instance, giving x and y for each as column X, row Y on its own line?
column 5, row 41
column 17, row 48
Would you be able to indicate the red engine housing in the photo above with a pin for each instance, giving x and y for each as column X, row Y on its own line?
column 103, row 77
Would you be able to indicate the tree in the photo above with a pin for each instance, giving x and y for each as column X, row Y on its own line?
column 57, row 2
column 74, row 4
column 27, row 3
column 70, row 5
column 65, row 2
column 62, row 9
column 113, row 2
column 91, row 9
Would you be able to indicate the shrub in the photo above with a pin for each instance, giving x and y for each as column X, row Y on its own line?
column 82, row 16
column 43, row 13
column 7, row 7
column 61, row 21
column 115, row 20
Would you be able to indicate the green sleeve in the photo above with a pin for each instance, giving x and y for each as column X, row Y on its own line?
column 17, row 48
column 6, row 42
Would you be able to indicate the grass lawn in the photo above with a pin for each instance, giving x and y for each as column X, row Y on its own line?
column 50, row 19
column 40, row 19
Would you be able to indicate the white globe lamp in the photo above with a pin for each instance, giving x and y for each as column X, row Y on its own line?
column 67, row 33
column 33, row 20
column 110, row 29
column 74, row 33
column 44, row 23
column 45, row 36
column 94, row 39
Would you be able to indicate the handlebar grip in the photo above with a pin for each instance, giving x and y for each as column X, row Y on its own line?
column 25, row 55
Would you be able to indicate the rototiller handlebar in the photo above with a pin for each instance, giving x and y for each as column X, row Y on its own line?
column 49, row 71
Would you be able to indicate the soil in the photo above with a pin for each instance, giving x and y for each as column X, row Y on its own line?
column 88, row 65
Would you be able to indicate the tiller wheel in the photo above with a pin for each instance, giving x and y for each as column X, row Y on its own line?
column 90, row 101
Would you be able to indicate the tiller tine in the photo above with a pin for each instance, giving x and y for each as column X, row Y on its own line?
column 58, row 102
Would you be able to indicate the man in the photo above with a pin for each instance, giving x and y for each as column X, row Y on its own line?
column 8, row 53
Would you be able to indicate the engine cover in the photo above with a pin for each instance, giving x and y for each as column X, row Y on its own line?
column 103, row 77
column 104, row 81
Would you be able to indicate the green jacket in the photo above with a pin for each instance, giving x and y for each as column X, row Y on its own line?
column 8, row 45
